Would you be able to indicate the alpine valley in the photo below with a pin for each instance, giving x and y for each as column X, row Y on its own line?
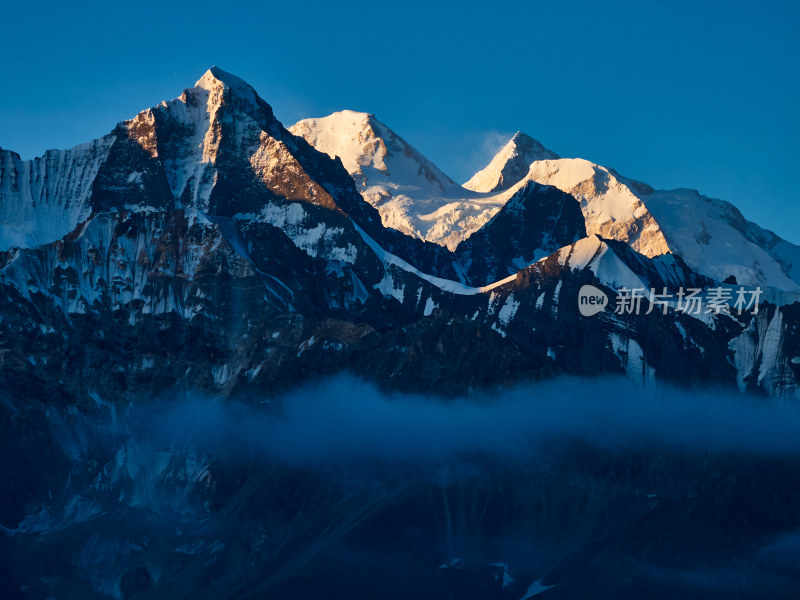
column 201, row 250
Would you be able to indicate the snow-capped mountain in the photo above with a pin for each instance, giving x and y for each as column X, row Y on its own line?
column 45, row 198
column 390, row 174
column 610, row 207
column 200, row 248
column 416, row 198
column 206, row 204
column 711, row 235
column 412, row 194
column 510, row 165
column 374, row 155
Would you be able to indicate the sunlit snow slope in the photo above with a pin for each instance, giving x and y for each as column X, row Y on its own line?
column 410, row 192
column 416, row 198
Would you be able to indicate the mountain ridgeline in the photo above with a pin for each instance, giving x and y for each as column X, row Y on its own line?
column 204, row 219
column 173, row 294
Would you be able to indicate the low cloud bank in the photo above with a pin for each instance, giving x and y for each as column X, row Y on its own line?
column 344, row 418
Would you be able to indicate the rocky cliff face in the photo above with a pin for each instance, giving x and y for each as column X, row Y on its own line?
column 534, row 223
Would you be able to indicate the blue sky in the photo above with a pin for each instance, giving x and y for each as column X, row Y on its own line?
column 675, row 94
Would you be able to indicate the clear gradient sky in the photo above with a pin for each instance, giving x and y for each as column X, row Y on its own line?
column 678, row 94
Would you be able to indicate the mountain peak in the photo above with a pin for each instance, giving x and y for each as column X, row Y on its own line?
column 218, row 80
column 216, row 76
column 343, row 125
column 510, row 165
column 525, row 143
column 353, row 115
column 365, row 145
